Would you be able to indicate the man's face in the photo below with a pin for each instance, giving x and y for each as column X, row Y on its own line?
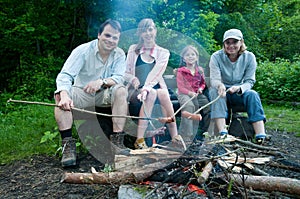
column 109, row 38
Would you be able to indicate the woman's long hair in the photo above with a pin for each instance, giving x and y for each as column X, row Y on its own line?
column 142, row 27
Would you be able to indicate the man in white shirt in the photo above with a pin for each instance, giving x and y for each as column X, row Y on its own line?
column 92, row 76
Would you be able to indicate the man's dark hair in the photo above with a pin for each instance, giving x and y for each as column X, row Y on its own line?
column 115, row 24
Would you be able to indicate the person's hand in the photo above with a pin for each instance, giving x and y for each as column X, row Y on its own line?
column 222, row 90
column 175, row 71
column 234, row 89
column 65, row 103
column 135, row 83
column 192, row 94
column 200, row 91
column 93, row 86
column 143, row 95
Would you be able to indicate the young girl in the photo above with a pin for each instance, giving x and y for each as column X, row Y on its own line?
column 190, row 82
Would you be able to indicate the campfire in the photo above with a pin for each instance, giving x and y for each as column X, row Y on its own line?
column 225, row 166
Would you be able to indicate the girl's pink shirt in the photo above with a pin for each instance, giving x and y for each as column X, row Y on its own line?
column 187, row 82
column 161, row 57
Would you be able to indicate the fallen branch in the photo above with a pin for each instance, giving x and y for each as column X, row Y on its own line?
column 105, row 178
column 256, row 170
column 230, row 138
column 269, row 183
column 282, row 166
column 98, row 178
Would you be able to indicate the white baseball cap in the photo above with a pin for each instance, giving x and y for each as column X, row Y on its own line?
column 233, row 34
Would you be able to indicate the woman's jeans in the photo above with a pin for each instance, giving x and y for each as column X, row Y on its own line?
column 249, row 99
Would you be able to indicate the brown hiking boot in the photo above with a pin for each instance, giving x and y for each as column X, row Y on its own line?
column 68, row 152
column 177, row 142
column 118, row 146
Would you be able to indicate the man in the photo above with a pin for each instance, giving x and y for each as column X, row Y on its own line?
column 92, row 76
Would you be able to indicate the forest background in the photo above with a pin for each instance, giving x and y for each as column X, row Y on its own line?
column 37, row 36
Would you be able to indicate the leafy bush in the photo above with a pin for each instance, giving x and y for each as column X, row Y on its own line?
column 279, row 80
column 36, row 78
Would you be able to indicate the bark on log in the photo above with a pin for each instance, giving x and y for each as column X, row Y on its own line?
column 269, row 183
column 105, row 178
column 98, row 178
column 205, row 173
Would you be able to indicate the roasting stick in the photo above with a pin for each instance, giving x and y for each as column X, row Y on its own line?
column 183, row 105
column 195, row 115
column 81, row 110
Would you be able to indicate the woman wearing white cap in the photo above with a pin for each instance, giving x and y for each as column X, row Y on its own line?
column 233, row 69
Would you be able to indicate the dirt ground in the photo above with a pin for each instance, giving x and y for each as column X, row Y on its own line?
column 40, row 176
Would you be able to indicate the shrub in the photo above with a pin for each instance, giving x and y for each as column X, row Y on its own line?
column 278, row 80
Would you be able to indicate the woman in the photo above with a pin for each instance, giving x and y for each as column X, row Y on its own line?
column 232, row 75
column 146, row 63
column 190, row 82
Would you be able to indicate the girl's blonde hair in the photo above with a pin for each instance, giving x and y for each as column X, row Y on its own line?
column 183, row 52
column 142, row 27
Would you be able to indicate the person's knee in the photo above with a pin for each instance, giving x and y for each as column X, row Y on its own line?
column 163, row 94
column 213, row 93
column 152, row 95
column 121, row 92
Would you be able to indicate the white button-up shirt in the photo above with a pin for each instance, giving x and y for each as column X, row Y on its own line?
column 85, row 65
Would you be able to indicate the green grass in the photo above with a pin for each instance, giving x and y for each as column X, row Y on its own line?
column 23, row 126
column 21, row 132
column 283, row 118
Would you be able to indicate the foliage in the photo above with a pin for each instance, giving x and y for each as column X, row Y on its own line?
column 37, row 36
column 278, row 80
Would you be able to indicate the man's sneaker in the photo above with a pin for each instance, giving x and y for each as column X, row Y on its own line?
column 260, row 138
column 140, row 144
column 68, row 152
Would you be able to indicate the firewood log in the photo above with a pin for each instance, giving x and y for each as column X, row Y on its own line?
column 269, row 183
column 205, row 173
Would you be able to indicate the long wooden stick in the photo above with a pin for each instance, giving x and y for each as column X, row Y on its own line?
column 183, row 105
column 80, row 110
column 206, row 105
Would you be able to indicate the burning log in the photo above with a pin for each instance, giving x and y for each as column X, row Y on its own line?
column 269, row 183
column 205, row 173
